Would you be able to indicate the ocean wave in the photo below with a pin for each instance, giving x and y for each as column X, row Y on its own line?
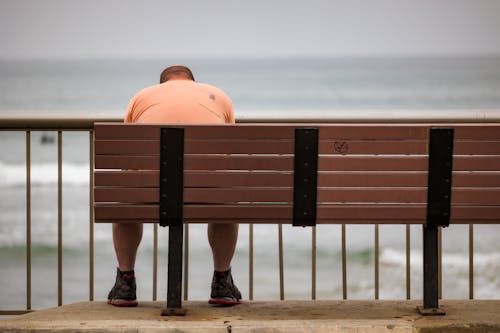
column 458, row 260
column 13, row 175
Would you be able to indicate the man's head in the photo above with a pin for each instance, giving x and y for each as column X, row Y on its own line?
column 176, row 73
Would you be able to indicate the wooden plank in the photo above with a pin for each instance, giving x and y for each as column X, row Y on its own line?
column 372, row 211
column 235, row 195
column 476, row 179
column 477, row 131
column 327, row 131
column 372, row 147
column 143, row 178
column 126, row 194
column 126, row 212
column 372, row 163
column 356, row 212
column 197, row 195
column 129, row 178
column 372, row 195
column 476, row 196
column 127, row 147
column 219, row 146
column 241, row 131
column 372, row 179
column 238, row 178
column 479, row 214
column 105, row 131
column 272, row 147
column 197, row 162
column 127, row 162
column 284, row 221
column 319, row 221
column 235, row 162
column 264, row 211
column 476, row 147
column 373, row 132
column 274, row 195
column 205, row 147
column 148, row 212
column 476, row 163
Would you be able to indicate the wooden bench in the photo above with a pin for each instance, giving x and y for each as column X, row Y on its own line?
column 304, row 174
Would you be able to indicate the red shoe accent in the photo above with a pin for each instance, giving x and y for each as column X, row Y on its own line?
column 122, row 303
column 223, row 302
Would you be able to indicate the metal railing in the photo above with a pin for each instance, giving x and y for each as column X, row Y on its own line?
column 60, row 124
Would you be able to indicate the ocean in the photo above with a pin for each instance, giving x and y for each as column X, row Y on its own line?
column 260, row 88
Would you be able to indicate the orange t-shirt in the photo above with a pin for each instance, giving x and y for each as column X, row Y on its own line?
column 180, row 101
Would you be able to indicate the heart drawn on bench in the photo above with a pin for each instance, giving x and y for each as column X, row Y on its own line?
column 341, row 147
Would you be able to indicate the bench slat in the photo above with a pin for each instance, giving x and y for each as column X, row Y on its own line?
column 130, row 178
column 462, row 213
column 476, row 148
column 245, row 131
column 274, row 147
column 476, row 163
column 199, row 131
column 278, row 162
column 476, row 179
column 263, row 211
column 372, row 163
column 333, row 214
column 137, row 178
column 269, row 194
column 477, row 131
column 483, row 131
column 479, row 196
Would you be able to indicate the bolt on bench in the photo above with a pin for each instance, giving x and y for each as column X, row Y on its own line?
column 303, row 174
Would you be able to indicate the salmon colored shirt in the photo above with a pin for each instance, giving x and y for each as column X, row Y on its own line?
column 180, row 101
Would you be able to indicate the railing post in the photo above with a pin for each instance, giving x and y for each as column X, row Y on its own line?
column 171, row 202
column 28, row 220
column 438, row 213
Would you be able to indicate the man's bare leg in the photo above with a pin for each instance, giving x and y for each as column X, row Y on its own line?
column 126, row 239
column 222, row 238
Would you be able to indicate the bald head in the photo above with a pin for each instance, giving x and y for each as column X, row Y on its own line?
column 176, row 73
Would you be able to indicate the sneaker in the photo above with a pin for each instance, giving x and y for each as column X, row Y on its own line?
column 123, row 292
column 224, row 292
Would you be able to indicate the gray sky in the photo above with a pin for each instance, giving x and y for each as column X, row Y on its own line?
column 202, row 28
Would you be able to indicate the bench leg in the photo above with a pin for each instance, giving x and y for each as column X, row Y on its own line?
column 431, row 282
column 174, row 292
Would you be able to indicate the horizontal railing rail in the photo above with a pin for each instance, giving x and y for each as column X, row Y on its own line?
column 59, row 123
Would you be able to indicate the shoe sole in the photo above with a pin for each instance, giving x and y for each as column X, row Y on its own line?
column 122, row 303
column 223, row 302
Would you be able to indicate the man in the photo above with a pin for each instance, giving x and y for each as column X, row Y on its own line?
column 177, row 99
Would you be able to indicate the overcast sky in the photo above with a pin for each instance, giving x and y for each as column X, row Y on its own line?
column 253, row 28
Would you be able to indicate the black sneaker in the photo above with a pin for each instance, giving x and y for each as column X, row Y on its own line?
column 224, row 292
column 123, row 292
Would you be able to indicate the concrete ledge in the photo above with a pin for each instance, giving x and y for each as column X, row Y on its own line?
column 276, row 316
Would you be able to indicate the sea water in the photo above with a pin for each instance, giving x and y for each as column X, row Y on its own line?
column 276, row 88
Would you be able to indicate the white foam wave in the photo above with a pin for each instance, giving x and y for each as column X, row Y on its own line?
column 393, row 257
column 12, row 175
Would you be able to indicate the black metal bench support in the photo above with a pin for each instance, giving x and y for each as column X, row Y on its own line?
column 438, row 213
column 305, row 177
column 171, row 202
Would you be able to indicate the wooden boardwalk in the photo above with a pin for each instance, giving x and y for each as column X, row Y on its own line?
column 275, row 316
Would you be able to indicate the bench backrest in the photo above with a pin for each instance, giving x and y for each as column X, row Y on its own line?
column 366, row 173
